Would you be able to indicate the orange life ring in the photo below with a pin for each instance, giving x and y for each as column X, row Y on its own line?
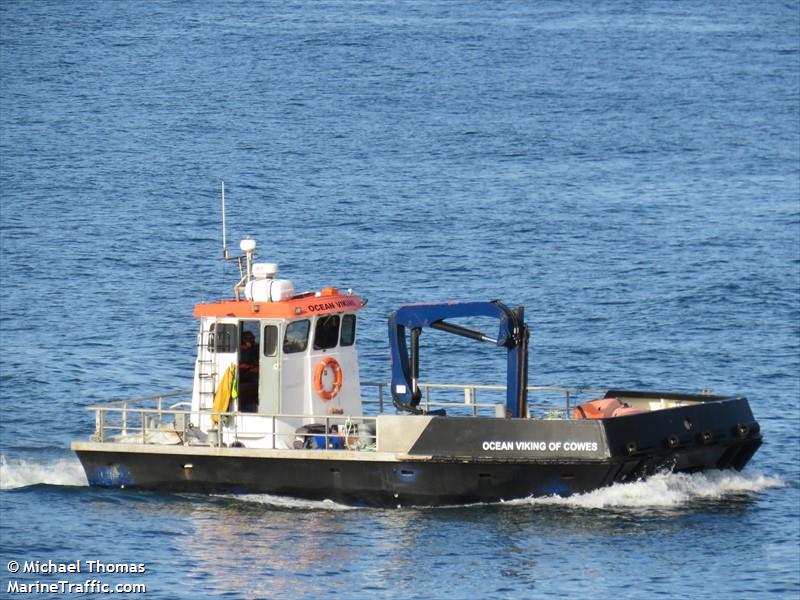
column 319, row 372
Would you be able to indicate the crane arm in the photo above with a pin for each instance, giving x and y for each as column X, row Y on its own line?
column 512, row 335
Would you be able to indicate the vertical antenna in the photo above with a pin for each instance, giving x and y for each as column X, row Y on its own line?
column 224, row 237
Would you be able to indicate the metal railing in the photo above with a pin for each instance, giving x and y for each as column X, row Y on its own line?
column 147, row 420
column 156, row 419
column 544, row 401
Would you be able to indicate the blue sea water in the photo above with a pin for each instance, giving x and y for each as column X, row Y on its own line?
column 628, row 171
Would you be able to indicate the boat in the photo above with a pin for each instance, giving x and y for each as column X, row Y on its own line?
column 277, row 407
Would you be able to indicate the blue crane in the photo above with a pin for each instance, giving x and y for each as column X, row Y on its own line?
column 512, row 335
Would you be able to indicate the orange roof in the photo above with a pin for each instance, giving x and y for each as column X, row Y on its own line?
column 328, row 303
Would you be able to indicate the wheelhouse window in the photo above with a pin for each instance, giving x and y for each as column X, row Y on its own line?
column 326, row 334
column 348, row 336
column 222, row 337
column 270, row 340
column 296, row 338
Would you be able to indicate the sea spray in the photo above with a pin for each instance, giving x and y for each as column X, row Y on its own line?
column 663, row 490
column 288, row 502
column 667, row 490
column 23, row 472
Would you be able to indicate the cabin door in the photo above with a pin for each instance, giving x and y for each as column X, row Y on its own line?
column 248, row 359
column 269, row 372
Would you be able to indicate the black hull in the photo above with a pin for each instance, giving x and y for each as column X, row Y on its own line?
column 452, row 461
column 389, row 484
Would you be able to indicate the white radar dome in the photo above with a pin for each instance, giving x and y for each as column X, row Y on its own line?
column 247, row 245
column 265, row 270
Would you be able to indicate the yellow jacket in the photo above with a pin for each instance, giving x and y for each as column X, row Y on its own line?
column 227, row 390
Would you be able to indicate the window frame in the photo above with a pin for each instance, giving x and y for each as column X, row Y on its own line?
column 332, row 336
column 351, row 318
column 274, row 339
column 292, row 325
column 230, row 332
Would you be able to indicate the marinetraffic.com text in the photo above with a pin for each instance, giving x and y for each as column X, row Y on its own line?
column 73, row 577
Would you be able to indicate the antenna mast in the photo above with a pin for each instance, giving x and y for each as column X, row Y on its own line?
column 245, row 261
column 224, row 237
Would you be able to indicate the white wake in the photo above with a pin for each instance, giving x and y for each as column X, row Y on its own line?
column 21, row 472
column 664, row 490
column 289, row 502
column 667, row 490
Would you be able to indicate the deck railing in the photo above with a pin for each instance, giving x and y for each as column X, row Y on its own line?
column 458, row 399
column 145, row 419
